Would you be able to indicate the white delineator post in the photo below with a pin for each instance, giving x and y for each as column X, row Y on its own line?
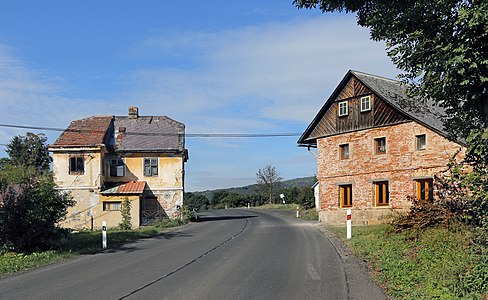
column 104, row 235
column 349, row 224
column 297, row 211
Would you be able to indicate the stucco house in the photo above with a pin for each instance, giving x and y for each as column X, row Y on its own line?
column 102, row 160
column 376, row 148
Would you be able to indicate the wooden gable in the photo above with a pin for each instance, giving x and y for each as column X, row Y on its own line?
column 330, row 123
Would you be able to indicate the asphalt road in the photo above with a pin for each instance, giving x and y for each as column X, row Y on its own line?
column 229, row 254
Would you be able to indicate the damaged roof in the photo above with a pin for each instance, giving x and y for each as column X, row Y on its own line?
column 87, row 132
column 148, row 134
column 132, row 133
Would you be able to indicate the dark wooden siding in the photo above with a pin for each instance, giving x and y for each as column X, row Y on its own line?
column 381, row 113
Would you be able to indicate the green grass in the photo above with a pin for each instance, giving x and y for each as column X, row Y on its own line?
column 83, row 242
column 287, row 206
column 435, row 264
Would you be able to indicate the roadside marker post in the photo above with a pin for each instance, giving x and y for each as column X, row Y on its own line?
column 349, row 223
column 298, row 212
column 104, row 235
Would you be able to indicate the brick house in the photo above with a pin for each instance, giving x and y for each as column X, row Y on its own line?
column 102, row 160
column 376, row 148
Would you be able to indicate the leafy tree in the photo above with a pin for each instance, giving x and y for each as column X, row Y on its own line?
column 31, row 205
column 441, row 46
column 30, row 212
column 195, row 201
column 29, row 150
column 126, row 222
column 268, row 181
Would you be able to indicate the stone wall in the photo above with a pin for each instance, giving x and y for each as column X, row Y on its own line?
column 400, row 166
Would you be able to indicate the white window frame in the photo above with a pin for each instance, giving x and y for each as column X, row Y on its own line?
column 365, row 100
column 343, row 105
column 150, row 172
column 418, row 146
column 118, row 168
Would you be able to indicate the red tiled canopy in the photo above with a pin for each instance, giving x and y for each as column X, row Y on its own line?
column 132, row 187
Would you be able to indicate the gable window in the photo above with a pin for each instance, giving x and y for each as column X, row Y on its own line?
column 114, row 205
column 117, row 167
column 150, row 167
column 343, row 108
column 344, row 151
column 366, row 103
column 425, row 189
column 381, row 193
column 76, row 165
column 380, row 145
column 420, row 142
column 345, row 195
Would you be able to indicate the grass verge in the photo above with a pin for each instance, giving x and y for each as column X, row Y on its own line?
column 83, row 242
column 433, row 264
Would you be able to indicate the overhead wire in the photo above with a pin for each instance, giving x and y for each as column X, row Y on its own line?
column 190, row 135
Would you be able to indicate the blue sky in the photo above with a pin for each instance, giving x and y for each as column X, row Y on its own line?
column 218, row 66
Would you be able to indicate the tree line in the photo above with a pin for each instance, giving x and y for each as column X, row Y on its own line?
column 269, row 190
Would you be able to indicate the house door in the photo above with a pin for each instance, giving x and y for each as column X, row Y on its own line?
column 151, row 210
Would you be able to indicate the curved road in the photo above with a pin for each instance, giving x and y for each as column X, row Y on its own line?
column 228, row 254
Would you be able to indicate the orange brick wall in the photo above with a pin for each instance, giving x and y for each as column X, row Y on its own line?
column 401, row 164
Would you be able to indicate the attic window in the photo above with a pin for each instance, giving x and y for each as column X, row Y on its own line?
column 343, row 108
column 365, row 103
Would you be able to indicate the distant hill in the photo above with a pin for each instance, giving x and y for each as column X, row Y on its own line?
column 250, row 189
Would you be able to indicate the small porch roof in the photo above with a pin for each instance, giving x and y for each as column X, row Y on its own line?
column 131, row 187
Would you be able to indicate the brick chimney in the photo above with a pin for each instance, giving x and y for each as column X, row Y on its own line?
column 133, row 112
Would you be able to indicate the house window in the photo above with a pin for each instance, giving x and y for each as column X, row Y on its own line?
column 117, row 167
column 381, row 193
column 420, row 142
column 76, row 165
column 425, row 189
column 345, row 195
column 344, row 151
column 380, row 145
column 365, row 103
column 150, row 167
column 343, row 108
column 115, row 205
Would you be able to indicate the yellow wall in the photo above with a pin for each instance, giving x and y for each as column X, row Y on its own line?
column 113, row 218
column 85, row 188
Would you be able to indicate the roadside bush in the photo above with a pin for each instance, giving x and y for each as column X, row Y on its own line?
column 30, row 213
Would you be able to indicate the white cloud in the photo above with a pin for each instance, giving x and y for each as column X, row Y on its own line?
column 283, row 71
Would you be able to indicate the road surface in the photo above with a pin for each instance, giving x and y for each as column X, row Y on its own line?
column 228, row 254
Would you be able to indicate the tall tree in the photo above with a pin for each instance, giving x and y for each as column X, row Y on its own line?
column 268, row 181
column 30, row 150
column 441, row 46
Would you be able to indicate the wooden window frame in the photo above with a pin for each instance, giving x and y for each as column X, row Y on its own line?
column 150, row 172
column 364, row 100
column 76, row 165
column 424, row 189
column 116, row 167
column 382, row 193
column 418, row 142
column 344, row 151
column 346, row 107
column 345, row 195
column 378, row 147
column 112, row 205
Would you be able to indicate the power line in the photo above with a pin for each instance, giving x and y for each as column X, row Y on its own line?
column 190, row 135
